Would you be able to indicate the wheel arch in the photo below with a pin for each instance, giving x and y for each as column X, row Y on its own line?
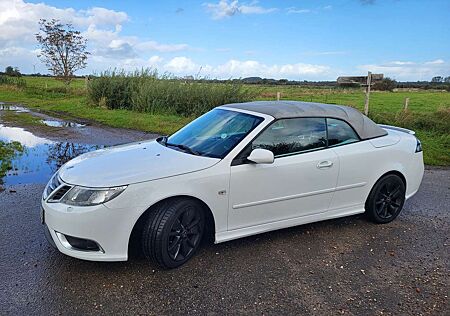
column 394, row 172
column 397, row 173
column 134, row 239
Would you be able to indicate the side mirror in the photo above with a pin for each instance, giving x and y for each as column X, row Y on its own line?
column 260, row 155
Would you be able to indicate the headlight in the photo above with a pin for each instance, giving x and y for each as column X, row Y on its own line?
column 51, row 186
column 81, row 196
column 418, row 146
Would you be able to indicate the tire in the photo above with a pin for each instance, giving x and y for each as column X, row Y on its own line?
column 173, row 232
column 386, row 199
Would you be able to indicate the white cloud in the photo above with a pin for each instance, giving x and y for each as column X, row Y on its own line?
column 294, row 10
column 155, row 60
column 100, row 26
column 25, row 59
column 164, row 48
column 252, row 9
column 435, row 62
column 225, row 8
column 401, row 63
column 112, row 43
column 408, row 70
column 102, row 16
column 19, row 19
column 181, row 65
column 236, row 69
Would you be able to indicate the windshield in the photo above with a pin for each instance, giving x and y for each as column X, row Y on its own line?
column 213, row 134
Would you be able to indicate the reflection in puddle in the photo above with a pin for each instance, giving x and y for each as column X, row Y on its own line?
column 40, row 158
column 15, row 108
column 61, row 123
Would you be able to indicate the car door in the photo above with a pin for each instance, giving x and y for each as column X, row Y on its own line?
column 357, row 164
column 299, row 182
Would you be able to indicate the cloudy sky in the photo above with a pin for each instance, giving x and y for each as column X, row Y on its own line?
column 301, row 40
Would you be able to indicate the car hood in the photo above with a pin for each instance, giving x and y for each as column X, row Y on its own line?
column 131, row 163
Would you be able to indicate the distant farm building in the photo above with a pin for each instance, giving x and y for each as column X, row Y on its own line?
column 358, row 80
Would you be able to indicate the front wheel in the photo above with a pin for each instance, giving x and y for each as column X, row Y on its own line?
column 386, row 199
column 173, row 232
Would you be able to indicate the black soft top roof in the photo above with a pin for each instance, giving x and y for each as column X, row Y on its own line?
column 364, row 126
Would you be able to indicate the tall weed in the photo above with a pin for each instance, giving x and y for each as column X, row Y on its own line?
column 147, row 91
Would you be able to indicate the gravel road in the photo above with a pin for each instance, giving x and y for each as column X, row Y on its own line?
column 344, row 266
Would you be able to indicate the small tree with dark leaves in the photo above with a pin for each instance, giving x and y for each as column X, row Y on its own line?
column 62, row 49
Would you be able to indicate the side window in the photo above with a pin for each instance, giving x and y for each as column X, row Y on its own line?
column 290, row 136
column 340, row 133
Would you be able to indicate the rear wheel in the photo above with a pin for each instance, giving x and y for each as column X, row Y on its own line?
column 173, row 232
column 386, row 199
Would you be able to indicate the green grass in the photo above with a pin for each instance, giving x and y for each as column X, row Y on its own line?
column 75, row 106
column 49, row 82
column 428, row 113
column 21, row 119
column 380, row 102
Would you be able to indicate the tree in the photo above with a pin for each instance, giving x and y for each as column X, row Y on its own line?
column 12, row 71
column 9, row 70
column 447, row 79
column 63, row 49
column 437, row 79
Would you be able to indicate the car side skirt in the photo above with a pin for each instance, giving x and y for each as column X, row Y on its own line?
column 266, row 227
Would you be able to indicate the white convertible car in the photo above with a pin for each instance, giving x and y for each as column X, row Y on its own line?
column 238, row 170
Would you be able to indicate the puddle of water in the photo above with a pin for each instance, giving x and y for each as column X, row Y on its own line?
column 61, row 123
column 40, row 158
column 15, row 108
column 52, row 123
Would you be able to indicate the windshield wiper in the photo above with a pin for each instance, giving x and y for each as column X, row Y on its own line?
column 184, row 148
column 163, row 140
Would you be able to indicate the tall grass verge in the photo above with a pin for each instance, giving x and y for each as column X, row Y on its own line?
column 12, row 81
column 146, row 91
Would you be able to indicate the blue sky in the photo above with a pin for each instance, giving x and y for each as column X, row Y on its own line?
column 301, row 40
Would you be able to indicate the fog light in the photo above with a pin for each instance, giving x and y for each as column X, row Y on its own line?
column 82, row 244
column 79, row 244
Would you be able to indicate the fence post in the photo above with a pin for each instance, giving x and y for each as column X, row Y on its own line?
column 278, row 96
column 406, row 104
column 366, row 103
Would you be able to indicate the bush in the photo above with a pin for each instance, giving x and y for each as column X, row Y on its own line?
column 146, row 91
column 387, row 84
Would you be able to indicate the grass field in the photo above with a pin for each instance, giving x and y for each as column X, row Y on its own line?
column 428, row 113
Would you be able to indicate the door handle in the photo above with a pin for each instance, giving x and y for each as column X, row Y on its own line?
column 324, row 164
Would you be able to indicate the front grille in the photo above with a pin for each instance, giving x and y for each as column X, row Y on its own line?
column 59, row 193
column 54, row 183
column 56, row 189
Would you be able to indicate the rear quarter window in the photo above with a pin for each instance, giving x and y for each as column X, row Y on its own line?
column 340, row 133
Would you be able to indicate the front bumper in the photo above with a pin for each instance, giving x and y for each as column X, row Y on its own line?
column 109, row 228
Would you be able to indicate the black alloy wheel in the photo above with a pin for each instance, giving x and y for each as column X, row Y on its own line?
column 173, row 232
column 185, row 234
column 386, row 199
